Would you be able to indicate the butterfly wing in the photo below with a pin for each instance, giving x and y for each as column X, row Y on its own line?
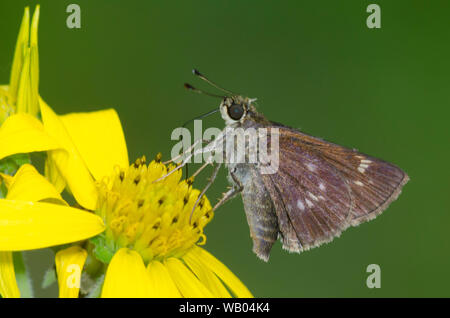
column 322, row 188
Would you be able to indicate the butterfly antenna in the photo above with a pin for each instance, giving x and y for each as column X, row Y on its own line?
column 203, row 77
column 199, row 91
column 215, row 110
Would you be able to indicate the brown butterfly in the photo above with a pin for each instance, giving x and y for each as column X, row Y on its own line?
column 318, row 190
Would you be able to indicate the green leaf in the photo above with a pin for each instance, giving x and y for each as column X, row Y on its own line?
column 49, row 278
column 23, row 279
column 97, row 289
column 12, row 163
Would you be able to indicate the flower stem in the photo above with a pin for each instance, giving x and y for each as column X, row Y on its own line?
column 23, row 279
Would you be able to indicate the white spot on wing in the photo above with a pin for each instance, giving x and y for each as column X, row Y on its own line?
column 321, row 187
column 359, row 183
column 300, row 205
column 364, row 164
column 311, row 167
column 309, row 203
column 312, row 196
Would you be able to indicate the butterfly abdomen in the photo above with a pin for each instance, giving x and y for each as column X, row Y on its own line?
column 259, row 210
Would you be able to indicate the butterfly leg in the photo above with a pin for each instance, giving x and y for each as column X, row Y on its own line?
column 188, row 150
column 210, row 182
column 230, row 194
column 188, row 154
column 196, row 173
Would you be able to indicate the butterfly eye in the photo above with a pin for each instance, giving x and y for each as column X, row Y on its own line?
column 236, row 111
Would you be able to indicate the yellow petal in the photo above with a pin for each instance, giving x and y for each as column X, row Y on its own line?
column 23, row 133
column 161, row 284
column 69, row 161
column 69, row 264
column 28, row 225
column 208, row 260
column 7, row 179
column 8, row 284
column 206, row 276
column 34, row 64
column 187, row 283
column 33, row 108
column 24, row 91
column 28, row 81
column 126, row 276
column 99, row 138
column 34, row 27
column 29, row 185
column 54, row 176
column 7, row 108
column 21, row 44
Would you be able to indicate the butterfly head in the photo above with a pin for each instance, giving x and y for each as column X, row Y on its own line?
column 234, row 109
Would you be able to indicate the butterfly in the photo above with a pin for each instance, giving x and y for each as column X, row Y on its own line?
column 317, row 190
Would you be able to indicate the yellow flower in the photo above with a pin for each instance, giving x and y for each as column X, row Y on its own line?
column 145, row 234
column 33, row 215
column 148, row 228
column 146, row 237
column 21, row 95
column 20, row 98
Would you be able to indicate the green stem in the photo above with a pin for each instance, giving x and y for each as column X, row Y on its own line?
column 96, row 291
column 23, row 279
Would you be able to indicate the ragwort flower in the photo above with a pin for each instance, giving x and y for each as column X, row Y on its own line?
column 148, row 245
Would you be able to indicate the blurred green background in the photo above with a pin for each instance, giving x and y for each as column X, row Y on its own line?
column 313, row 65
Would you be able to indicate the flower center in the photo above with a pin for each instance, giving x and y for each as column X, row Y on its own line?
column 152, row 217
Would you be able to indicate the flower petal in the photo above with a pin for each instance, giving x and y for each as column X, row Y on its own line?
column 24, row 92
column 126, row 276
column 22, row 133
column 70, row 163
column 161, row 284
column 34, row 26
column 102, row 146
column 208, row 260
column 69, row 264
column 21, row 44
column 27, row 93
column 29, row 185
column 28, row 225
column 34, row 64
column 7, row 179
column 206, row 276
column 8, row 284
column 187, row 283
column 54, row 176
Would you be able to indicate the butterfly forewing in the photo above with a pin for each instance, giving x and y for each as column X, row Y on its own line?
column 304, row 188
column 321, row 188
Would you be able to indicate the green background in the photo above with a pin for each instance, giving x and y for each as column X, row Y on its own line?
column 313, row 65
